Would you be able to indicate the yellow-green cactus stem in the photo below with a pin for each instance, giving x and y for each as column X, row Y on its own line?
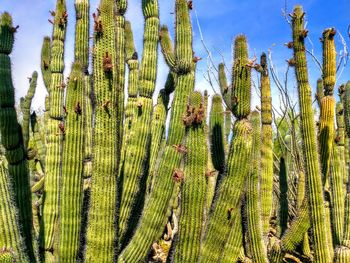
column 38, row 140
column 241, row 78
column 10, row 237
column 11, row 137
column 81, row 50
column 266, row 176
column 319, row 92
column 55, row 134
column 101, row 228
column 167, row 46
column 155, row 213
column 134, row 175
column 229, row 195
column 346, row 104
column 342, row 253
column 226, row 90
column 45, row 62
column 217, row 137
column 193, row 191
column 340, row 139
column 25, row 108
column 71, row 189
column 255, row 234
column 228, row 125
column 329, row 60
column 311, row 162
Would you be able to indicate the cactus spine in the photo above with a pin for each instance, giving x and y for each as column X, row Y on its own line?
column 312, row 166
column 11, row 136
column 134, row 175
column 193, row 192
column 266, row 177
column 100, row 246
column 155, row 212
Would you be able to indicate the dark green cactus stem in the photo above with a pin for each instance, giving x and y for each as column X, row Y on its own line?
column 134, row 175
column 241, row 78
column 229, row 196
column 312, row 166
column 38, row 140
column 55, row 134
column 226, row 90
column 266, row 176
column 255, row 234
column 193, row 192
column 228, row 125
column 11, row 137
column 283, row 198
column 329, row 61
column 319, row 92
column 71, row 192
column 101, row 230
column 217, row 137
column 155, row 214
column 167, row 46
column 25, row 108
column 10, row 237
column 46, row 62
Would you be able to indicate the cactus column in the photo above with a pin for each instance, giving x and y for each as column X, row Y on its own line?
column 11, row 136
column 312, row 165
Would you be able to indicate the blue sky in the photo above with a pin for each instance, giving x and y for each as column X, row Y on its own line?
column 220, row 21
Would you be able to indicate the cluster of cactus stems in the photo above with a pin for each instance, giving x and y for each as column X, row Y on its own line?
column 92, row 180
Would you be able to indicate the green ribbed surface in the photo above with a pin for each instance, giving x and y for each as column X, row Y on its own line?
column 241, row 79
column 319, row 91
column 312, row 166
column 155, row 215
column 167, row 46
column 329, row 60
column 226, row 90
column 11, row 138
column 71, row 189
column 25, row 108
column 217, row 137
column 135, row 170
column 255, row 234
column 229, row 195
column 45, row 62
column 10, row 237
column 193, row 191
column 38, row 139
column 101, row 230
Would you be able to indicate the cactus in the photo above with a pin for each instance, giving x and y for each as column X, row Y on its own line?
column 258, row 249
column 155, row 211
column 11, row 136
column 100, row 247
column 25, row 108
column 283, row 200
column 135, row 170
column 217, row 139
column 193, row 192
column 266, row 177
column 319, row 92
column 225, row 89
column 312, row 166
column 45, row 62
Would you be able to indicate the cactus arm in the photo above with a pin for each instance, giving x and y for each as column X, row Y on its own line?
column 11, row 136
column 136, row 161
column 45, row 62
column 10, row 237
column 217, row 137
column 226, row 90
column 155, row 211
column 228, row 125
column 167, row 46
column 266, row 177
column 319, row 91
column 229, row 196
column 193, row 191
column 25, row 108
column 314, row 183
column 258, row 249
column 38, row 140
column 101, row 231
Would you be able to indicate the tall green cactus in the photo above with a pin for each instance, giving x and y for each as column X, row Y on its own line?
column 312, row 166
column 25, row 108
column 193, row 191
column 11, row 136
column 155, row 212
column 226, row 90
column 134, row 175
column 266, row 177
column 101, row 231
column 55, row 133
column 255, row 234
column 46, row 61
